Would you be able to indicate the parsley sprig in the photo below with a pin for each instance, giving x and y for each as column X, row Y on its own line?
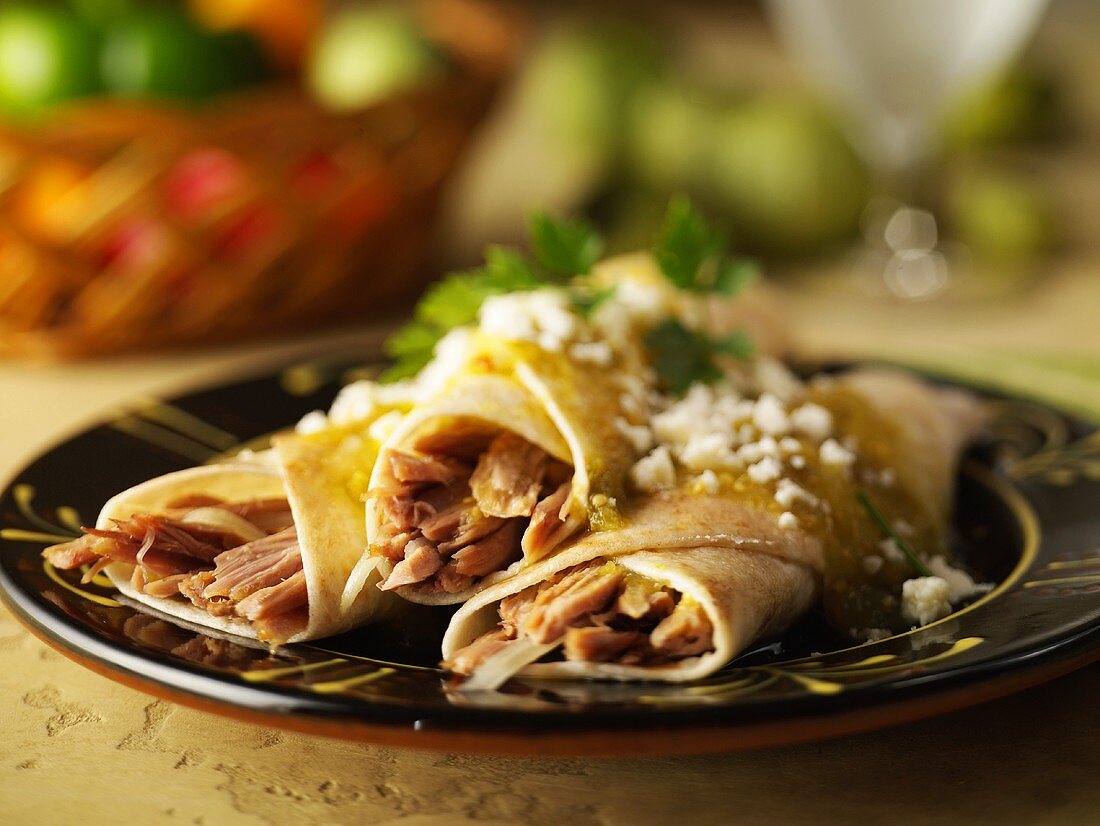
column 691, row 255
column 682, row 356
column 888, row 529
column 563, row 252
column 563, row 249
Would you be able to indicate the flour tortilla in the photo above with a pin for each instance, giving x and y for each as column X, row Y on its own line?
column 551, row 403
column 570, row 408
column 329, row 519
column 751, row 577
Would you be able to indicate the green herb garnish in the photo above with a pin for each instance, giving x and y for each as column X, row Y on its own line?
column 888, row 529
column 562, row 248
column 453, row 302
column 737, row 344
column 690, row 254
column 682, row 356
column 411, row 348
column 565, row 247
column 587, row 301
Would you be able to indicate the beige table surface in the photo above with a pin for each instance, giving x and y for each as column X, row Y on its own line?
column 77, row 747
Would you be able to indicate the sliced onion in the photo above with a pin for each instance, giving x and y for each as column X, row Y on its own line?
column 223, row 520
column 499, row 667
column 357, row 581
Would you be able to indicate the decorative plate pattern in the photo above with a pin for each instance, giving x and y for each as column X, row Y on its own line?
column 1025, row 517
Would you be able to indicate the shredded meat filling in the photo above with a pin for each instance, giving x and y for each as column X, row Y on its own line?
column 508, row 476
column 262, row 580
column 469, row 509
column 599, row 612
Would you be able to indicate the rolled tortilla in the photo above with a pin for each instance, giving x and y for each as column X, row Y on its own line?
column 578, row 406
column 564, row 408
column 728, row 553
column 322, row 476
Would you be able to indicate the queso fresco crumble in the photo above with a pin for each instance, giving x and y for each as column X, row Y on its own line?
column 715, row 433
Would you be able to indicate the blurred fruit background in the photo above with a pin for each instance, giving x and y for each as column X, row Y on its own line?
column 196, row 171
column 700, row 99
column 193, row 172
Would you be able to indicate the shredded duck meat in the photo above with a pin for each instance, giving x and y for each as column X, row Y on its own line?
column 600, row 612
column 467, row 506
column 211, row 566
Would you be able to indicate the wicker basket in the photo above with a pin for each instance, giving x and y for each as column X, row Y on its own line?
column 126, row 226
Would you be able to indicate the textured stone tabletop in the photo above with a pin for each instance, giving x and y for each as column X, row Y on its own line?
column 77, row 747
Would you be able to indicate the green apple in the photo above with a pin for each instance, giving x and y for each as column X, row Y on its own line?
column 365, row 54
column 47, row 55
column 162, row 53
column 1001, row 215
column 788, row 179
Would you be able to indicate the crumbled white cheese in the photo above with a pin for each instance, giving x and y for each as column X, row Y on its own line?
column 354, row 402
column 744, row 409
column 633, row 304
column 772, row 376
column 542, row 316
column 708, row 450
column 632, row 405
column 382, row 427
column 789, row 445
column 728, row 404
column 890, row 550
column 312, row 422
column 646, row 302
column 812, row 421
column 766, row 470
column 833, row 452
column 451, row 354
column 639, row 436
column 707, row 482
column 655, row 471
column 593, row 352
column 361, row 400
column 903, row 527
column 788, row 520
column 925, row 599
column 960, row 583
column 685, row 418
column 634, row 384
column 770, row 416
column 873, row 564
column 788, row 492
column 747, row 434
column 798, row 462
column 754, row 451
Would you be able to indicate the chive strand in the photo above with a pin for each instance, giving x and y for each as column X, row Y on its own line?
column 888, row 529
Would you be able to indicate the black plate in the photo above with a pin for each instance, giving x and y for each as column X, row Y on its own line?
column 1026, row 517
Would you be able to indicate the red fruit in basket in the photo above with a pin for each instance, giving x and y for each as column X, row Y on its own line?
column 249, row 232
column 315, row 175
column 182, row 284
column 135, row 243
column 364, row 208
column 201, row 181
